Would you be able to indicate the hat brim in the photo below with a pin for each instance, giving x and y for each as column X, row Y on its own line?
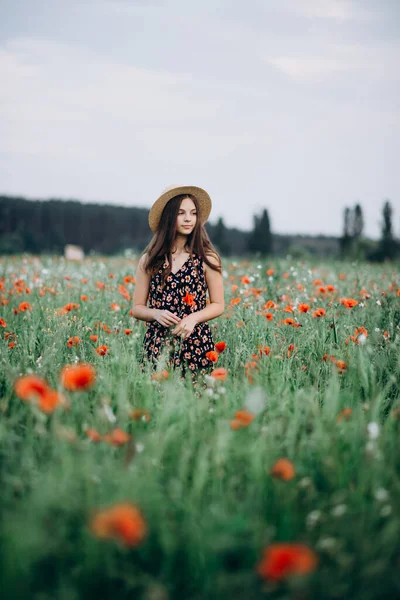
column 201, row 196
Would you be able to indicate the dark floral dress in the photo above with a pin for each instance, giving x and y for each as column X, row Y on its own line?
column 191, row 352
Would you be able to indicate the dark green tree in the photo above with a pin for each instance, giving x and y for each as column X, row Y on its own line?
column 260, row 239
column 388, row 245
column 220, row 237
column 358, row 222
column 345, row 240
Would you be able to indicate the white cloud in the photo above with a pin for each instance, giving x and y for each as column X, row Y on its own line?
column 340, row 10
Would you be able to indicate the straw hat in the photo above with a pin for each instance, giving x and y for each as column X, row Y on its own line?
column 170, row 192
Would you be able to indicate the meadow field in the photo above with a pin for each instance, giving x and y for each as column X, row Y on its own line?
column 277, row 476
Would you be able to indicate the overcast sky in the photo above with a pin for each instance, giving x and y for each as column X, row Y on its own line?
column 292, row 105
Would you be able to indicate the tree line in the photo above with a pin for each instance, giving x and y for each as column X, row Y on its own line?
column 353, row 243
column 46, row 226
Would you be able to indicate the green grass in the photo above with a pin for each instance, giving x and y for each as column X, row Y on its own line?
column 205, row 490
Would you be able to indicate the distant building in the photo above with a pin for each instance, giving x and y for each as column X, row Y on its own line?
column 72, row 252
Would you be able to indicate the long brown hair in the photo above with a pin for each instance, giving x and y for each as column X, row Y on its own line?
column 161, row 244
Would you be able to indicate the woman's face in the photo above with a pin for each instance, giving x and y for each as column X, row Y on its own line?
column 187, row 217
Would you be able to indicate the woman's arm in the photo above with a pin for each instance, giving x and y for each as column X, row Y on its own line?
column 216, row 291
column 214, row 309
column 140, row 310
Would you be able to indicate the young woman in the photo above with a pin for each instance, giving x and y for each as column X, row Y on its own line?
column 177, row 268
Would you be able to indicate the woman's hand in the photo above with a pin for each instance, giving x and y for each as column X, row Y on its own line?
column 166, row 318
column 186, row 326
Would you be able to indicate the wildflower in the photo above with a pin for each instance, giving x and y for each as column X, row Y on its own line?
column 78, row 377
column 3, row 323
column 339, row 510
column 123, row 522
column 129, row 279
column 139, row 414
column 283, row 469
column 24, row 306
column 74, row 341
column 304, row 308
column 341, row 365
column 127, row 331
column 281, row 560
column 68, row 307
column 256, row 401
column 160, row 375
column 117, row 437
column 220, row 347
column 245, row 280
column 381, row 495
column 124, row 292
column 243, row 418
column 102, row 350
column 270, row 304
column 319, row 312
column 345, row 413
column 93, row 338
column 188, row 299
column 235, row 301
column 289, row 321
column 93, row 435
column 212, row 355
column 30, row 387
column 327, row 357
column 115, row 306
column 348, row 302
column 50, row 400
column 83, row 298
column 269, row 316
column 373, row 430
column 100, row 285
column 270, row 272
column 312, row 518
column 264, row 350
column 290, row 350
column 220, row 374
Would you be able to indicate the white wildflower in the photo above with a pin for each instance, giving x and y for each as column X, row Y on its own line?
column 378, row 303
column 210, row 381
column 256, row 400
column 313, row 518
column 381, row 495
column 373, row 430
column 139, row 447
column 109, row 413
column 328, row 544
column 386, row 510
column 362, row 338
column 305, row 482
column 339, row 510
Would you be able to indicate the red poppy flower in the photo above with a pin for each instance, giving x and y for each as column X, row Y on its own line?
column 78, row 377
column 281, row 560
column 220, row 347
column 212, row 355
column 123, row 522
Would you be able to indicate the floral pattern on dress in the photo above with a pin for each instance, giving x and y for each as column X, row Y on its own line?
column 188, row 354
